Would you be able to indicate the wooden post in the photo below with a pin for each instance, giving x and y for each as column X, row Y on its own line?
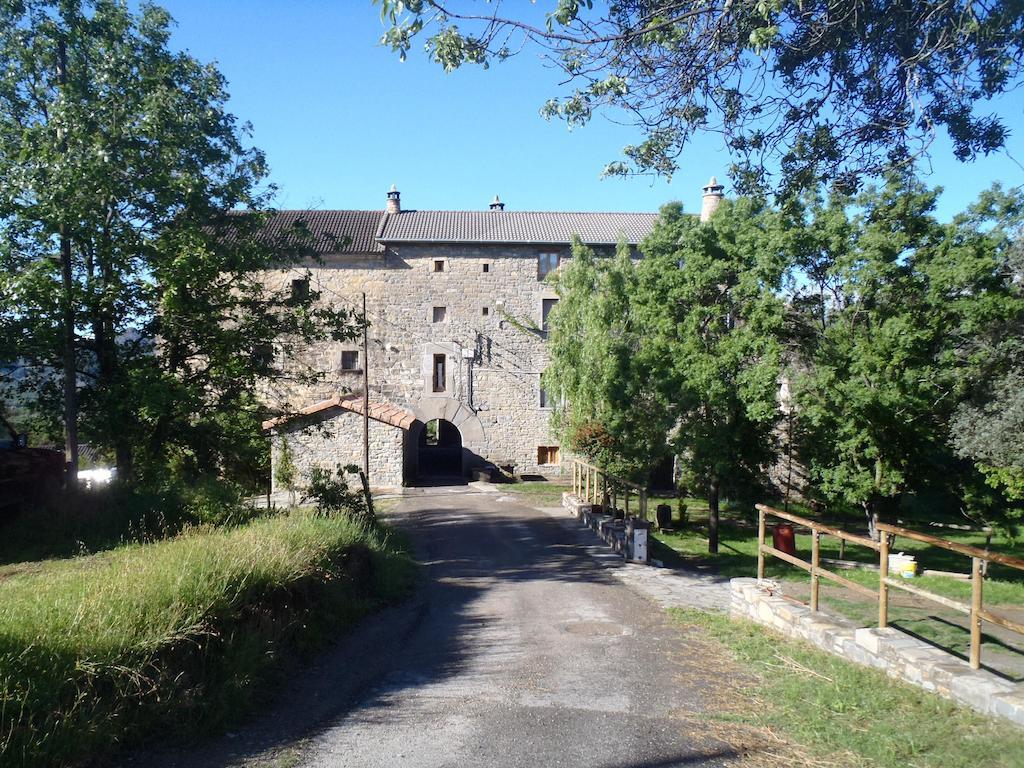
column 815, row 561
column 366, row 396
column 976, row 582
column 842, row 549
column 627, row 501
column 588, row 485
column 760, row 543
column 643, row 504
column 883, row 588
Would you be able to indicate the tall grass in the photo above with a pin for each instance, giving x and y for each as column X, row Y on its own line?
column 173, row 637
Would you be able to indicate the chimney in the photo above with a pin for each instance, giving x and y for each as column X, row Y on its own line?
column 497, row 205
column 394, row 200
column 712, row 197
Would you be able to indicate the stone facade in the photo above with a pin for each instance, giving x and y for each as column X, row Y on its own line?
column 494, row 351
column 338, row 439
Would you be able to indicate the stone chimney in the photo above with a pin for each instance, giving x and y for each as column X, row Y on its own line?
column 394, row 200
column 713, row 195
column 497, row 205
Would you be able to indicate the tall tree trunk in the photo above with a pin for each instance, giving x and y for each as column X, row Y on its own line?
column 713, row 493
column 68, row 319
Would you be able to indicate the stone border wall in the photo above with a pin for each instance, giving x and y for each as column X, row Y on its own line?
column 898, row 655
column 613, row 532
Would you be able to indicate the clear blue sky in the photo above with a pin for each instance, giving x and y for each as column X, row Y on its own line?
column 341, row 119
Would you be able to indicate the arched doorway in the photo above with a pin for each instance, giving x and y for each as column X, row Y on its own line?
column 439, row 450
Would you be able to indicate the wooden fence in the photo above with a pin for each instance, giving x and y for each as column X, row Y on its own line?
column 975, row 610
column 595, row 486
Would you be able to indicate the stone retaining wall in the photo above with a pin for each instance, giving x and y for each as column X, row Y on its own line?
column 897, row 654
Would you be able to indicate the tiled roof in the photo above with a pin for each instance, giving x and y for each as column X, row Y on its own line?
column 329, row 231
column 382, row 412
column 542, row 227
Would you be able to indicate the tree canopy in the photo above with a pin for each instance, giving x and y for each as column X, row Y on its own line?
column 128, row 289
column 827, row 89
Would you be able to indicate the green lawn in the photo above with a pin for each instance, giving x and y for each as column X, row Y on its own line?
column 848, row 715
column 177, row 637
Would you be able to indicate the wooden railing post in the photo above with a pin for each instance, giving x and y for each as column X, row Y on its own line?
column 643, row 504
column 976, row 582
column 883, row 586
column 815, row 562
column 760, row 543
column 627, row 501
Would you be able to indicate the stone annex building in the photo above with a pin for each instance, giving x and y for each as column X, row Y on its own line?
column 458, row 304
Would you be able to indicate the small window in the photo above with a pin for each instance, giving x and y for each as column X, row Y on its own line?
column 546, row 264
column 439, row 265
column 487, row 267
column 439, row 314
column 300, row 290
column 547, row 455
column 546, row 305
column 263, row 355
column 544, row 403
column 349, row 360
column 486, row 311
column 439, row 373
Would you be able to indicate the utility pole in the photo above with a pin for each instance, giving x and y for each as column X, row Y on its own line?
column 67, row 284
column 366, row 395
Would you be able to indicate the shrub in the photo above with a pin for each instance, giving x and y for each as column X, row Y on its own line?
column 331, row 494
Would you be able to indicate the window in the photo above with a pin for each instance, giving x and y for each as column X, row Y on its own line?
column 546, row 305
column 439, row 373
column 486, row 311
column 439, row 265
column 547, row 455
column 300, row 290
column 544, row 402
column 349, row 360
column 439, row 314
column 487, row 267
column 546, row 263
column 263, row 355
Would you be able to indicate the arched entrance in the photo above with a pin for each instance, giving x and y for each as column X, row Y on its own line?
column 439, row 450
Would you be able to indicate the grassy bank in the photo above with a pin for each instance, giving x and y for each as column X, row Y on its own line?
column 173, row 638
column 850, row 715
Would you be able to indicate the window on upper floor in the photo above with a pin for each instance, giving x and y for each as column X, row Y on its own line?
column 547, row 262
column 439, row 265
column 544, row 401
column 546, row 305
column 439, row 314
column 439, row 375
column 486, row 311
column 487, row 267
column 300, row 290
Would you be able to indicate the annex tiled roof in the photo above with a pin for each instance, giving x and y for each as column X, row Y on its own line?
column 328, row 231
column 540, row 227
column 382, row 412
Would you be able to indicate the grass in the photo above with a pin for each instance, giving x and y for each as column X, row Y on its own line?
column 176, row 638
column 849, row 714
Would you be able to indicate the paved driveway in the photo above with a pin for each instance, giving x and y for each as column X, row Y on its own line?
column 519, row 649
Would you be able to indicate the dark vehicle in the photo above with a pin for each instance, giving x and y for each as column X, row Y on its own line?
column 25, row 472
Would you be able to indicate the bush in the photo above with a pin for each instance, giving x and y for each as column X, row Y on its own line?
column 331, row 494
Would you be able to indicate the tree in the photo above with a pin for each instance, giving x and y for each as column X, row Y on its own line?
column 119, row 169
column 604, row 407
column 895, row 304
column 709, row 301
column 830, row 90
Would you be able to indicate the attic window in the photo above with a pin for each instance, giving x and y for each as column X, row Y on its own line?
column 439, row 265
column 300, row 290
column 487, row 267
column 547, row 262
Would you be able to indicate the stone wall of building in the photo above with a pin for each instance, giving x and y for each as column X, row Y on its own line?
column 490, row 336
column 337, row 438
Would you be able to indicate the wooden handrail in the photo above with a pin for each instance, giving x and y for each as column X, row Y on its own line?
column 952, row 546
column 975, row 609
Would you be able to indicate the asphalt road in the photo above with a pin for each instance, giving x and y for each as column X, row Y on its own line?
column 518, row 649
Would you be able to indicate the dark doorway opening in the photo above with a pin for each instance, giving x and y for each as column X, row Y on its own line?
column 439, row 450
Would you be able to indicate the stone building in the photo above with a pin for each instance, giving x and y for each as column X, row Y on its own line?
column 457, row 303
